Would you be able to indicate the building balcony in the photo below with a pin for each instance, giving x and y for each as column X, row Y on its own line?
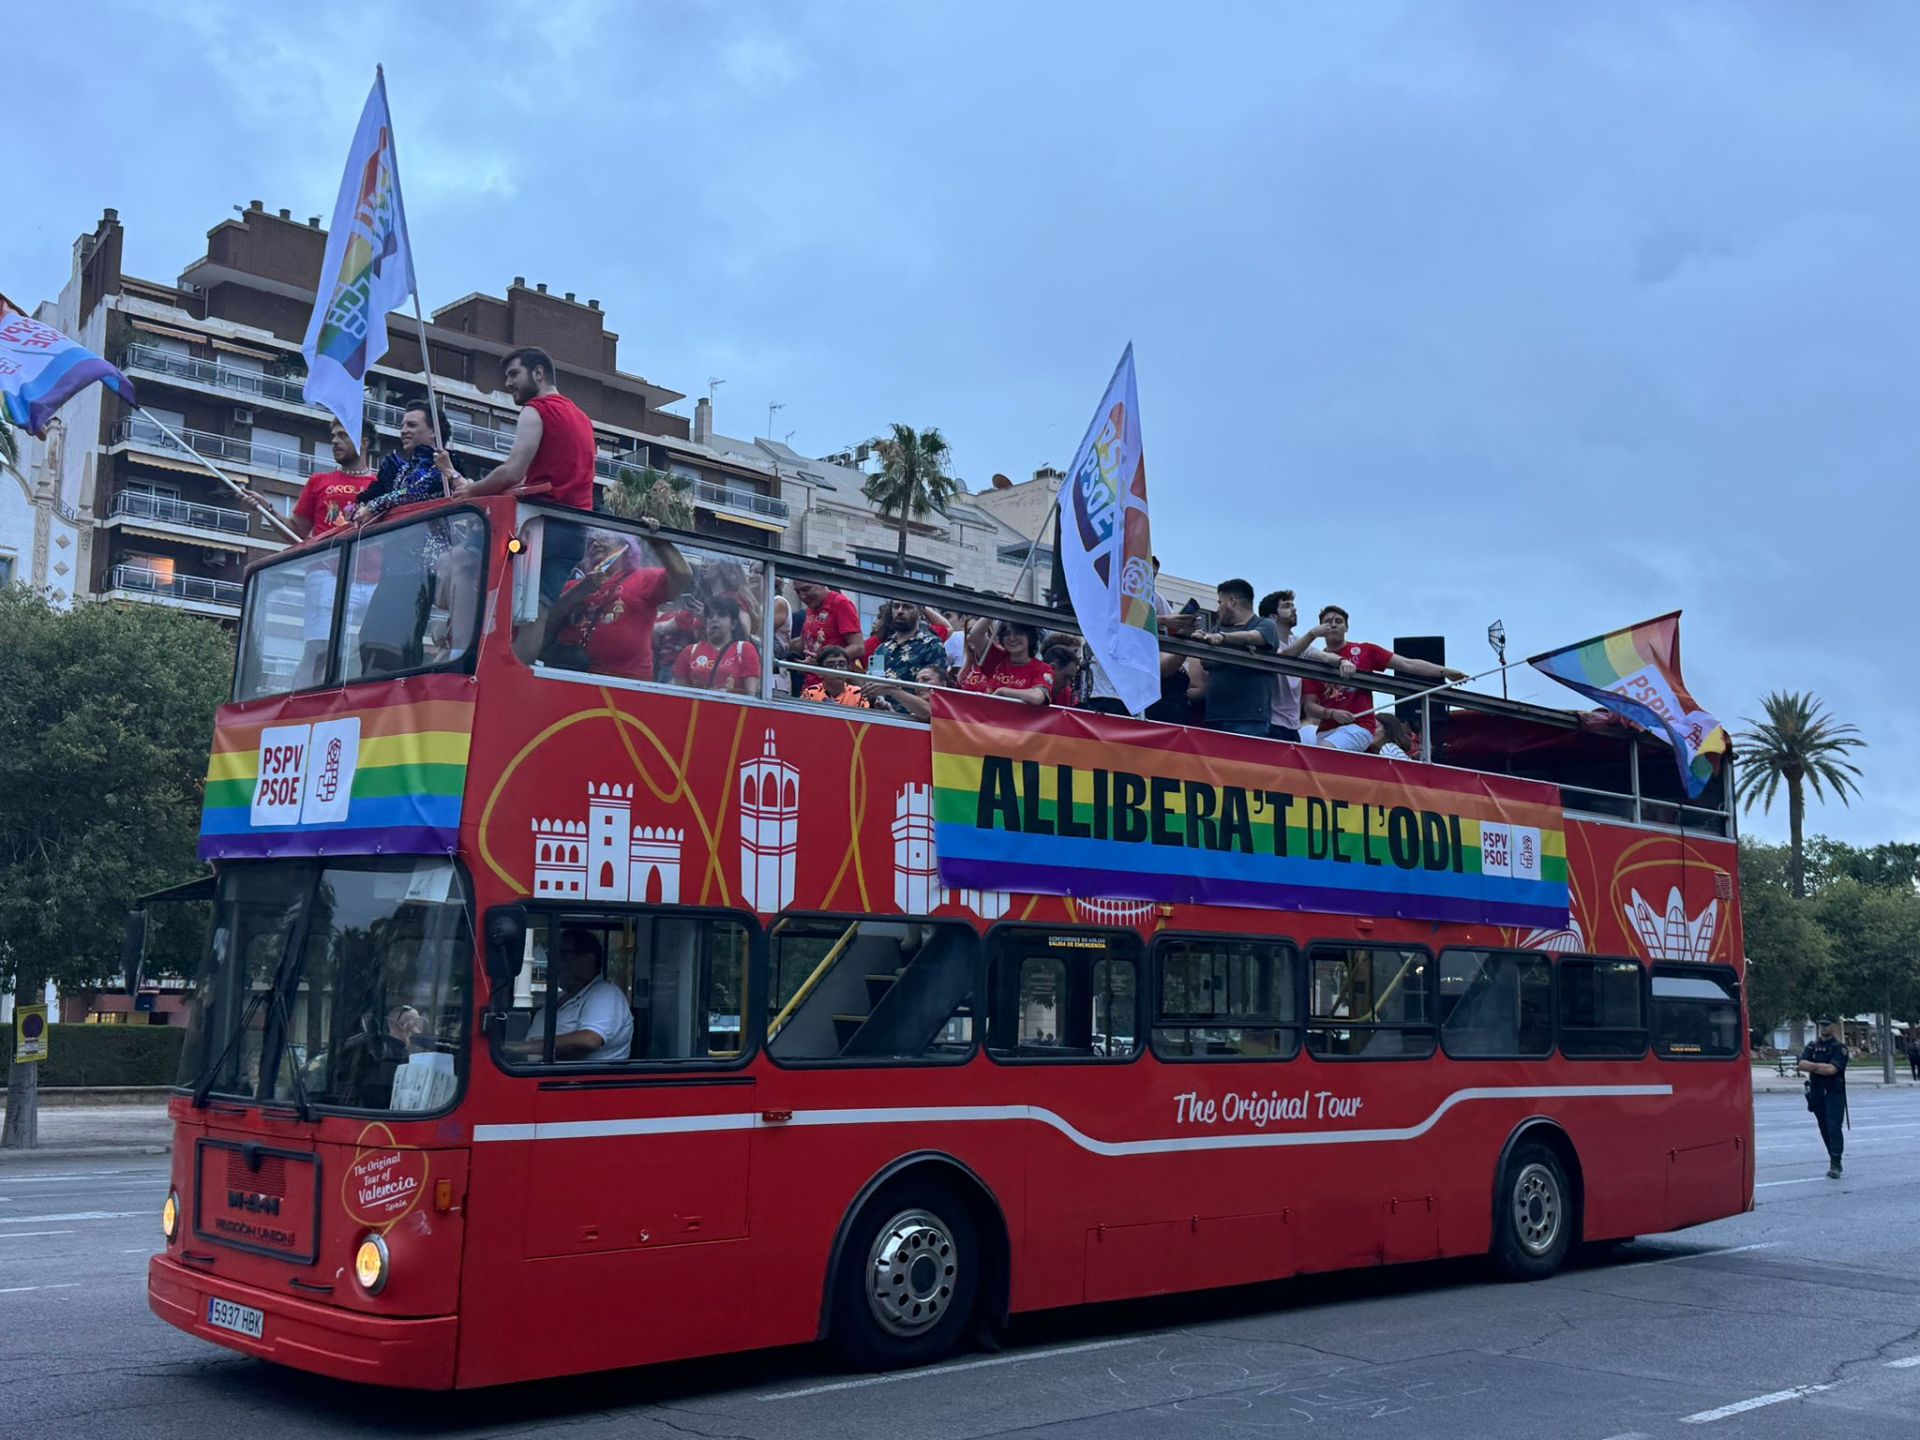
column 188, row 592
column 459, row 432
column 273, row 389
column 168, row 511
column 220, row 449
column 709, row 493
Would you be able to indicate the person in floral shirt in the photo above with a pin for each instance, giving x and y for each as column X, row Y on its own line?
column 908, row 645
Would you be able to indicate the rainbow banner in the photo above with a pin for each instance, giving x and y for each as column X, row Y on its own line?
column 1185, row 816
column 382, row 777
column 368, row 270
column 41, row 369
column 1635, row 672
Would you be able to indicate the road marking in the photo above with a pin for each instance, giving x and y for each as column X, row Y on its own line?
column 29, row 1234
column 1699, row 1255
column 934, row 1372
column 1906, row 1364
column 28, row 1289
column 1631, row 1435
column 1769, row 1184
column 1740, row 1407
column 75, row 1215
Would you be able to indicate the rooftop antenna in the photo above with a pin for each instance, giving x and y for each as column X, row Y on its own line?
column 788, row 442
column 1497, row 642
column 714, row 382
column 773, row 408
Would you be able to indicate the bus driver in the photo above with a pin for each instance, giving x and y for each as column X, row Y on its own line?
column 593, row 1022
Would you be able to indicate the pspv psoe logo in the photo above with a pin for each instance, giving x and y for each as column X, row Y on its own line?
column 306, row 773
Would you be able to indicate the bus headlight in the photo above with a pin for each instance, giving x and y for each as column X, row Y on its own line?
column 370, row 1263
column 170, row 1216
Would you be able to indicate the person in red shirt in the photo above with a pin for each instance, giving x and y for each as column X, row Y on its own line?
column 324, row 499
column 830, row 620
column 722, row 658
column 1338, row 712
column 551, row 459
column 1001, row 662
column 603, row 620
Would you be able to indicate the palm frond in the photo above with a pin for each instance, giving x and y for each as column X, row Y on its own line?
column 1797, row 742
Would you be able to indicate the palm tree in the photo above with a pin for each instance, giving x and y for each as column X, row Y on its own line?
column 1800, row 744
column 914, row 480
column 643, row 493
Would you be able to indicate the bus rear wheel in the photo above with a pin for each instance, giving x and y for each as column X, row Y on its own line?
column 909, row 1273
column 1533, row 1214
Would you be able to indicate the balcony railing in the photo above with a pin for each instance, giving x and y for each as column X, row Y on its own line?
column 210, row 372
column 136, row 506
column 706, row 492
column 461, row 432
column 138, row 579
column 139, row 430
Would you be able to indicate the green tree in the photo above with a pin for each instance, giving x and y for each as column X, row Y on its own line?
column 1797, row 745
column 649, row 494
column 913, row 481
column 106, row 715
column 1788, row 957
column 1890, row 866
column 1874, row 934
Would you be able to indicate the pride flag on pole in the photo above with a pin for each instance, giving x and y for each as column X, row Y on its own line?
column 1635, row 672
column 368, row 270
column 41, row 369
column 1106, row 548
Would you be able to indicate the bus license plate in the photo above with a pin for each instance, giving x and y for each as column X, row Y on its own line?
column 241, row 1319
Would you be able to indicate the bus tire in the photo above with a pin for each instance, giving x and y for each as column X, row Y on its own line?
column 1533, row 1214
column 909, row 1276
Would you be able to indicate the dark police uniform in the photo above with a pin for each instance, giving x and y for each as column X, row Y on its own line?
column 1827, row 1094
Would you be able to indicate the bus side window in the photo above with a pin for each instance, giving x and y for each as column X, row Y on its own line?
column 1063, row 995
column 871, row 988
column 1496, row 1004
column 1370, row 1002
column 1222, row 998
column 1603, row 1009
column 1696, row 1012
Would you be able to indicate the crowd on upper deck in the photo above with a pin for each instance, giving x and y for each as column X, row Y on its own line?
column 616, row 603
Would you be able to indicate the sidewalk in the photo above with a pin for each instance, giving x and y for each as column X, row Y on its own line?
column 80, row 1132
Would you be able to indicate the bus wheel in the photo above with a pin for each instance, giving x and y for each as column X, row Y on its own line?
column 908, row 1278
column 1534, row 1217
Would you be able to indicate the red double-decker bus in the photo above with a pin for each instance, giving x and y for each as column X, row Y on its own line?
column 559, row 1015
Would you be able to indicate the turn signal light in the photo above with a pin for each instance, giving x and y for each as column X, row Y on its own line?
column 515, row 545
column 170, row 1216
column 370, row 1264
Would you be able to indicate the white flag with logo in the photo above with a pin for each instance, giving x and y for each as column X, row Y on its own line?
column 1106, row 548
column 368, row 270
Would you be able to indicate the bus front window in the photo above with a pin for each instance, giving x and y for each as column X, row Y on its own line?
column 421, row 605
column 336, row 984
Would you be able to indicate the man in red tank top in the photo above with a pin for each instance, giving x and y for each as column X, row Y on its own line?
column 551, row 460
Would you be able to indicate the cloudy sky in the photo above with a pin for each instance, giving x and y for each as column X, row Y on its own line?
column 1563, row 314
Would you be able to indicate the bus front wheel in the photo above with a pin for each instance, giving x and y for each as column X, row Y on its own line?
column 1533, row 1216
column 909, row 1274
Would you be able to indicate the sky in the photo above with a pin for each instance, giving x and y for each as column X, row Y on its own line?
column 1565, row 315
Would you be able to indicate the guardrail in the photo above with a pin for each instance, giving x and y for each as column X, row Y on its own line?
column 138, row 579
column 137, row 506
column 612, row 467
column 138, row 430
column 211, row 372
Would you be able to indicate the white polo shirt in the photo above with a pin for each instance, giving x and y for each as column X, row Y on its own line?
column 601, row 1008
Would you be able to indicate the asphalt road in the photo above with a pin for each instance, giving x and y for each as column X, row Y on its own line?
column 1801, row 1318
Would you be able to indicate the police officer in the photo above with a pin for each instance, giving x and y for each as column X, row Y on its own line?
column 1824, row 1063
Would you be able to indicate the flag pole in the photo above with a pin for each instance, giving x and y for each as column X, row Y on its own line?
column 241, row 490
column 1436, row 689
column 419, row 319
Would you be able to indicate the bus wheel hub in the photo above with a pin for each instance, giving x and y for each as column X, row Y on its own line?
column 910, row 1272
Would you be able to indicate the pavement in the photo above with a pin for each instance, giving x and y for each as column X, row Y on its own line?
column 1800, row 1318
column 93, row 1132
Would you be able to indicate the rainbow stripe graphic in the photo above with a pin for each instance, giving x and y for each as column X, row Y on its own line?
column 1061, row 802
column 382, row 776
column 1635, row 672
column 41, row 369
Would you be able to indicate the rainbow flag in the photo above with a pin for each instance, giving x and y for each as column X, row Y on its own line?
column 1635, row 672
column 41, row 369
column 386, row 776
column 1066, row 802
column 368, row 269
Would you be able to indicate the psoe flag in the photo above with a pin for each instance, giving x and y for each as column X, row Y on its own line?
column 1635, row 672
column 368, row 270
column 41, row 369
column 1106, row 549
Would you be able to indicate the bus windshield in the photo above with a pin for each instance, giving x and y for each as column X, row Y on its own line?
column 337, row 983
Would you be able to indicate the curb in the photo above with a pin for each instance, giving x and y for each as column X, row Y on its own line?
column 81, row 1152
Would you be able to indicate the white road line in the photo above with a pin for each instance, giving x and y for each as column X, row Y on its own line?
column 1769, row 1184
column 1740, row 1407
column 1699, row 1255
column 1631, row 1435
column 939, row 1370
column 28, row 1289
column 74, row 1215
column 1906, row 1364
column 29, row 1234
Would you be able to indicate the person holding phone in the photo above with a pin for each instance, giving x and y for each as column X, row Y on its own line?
column 604, row 619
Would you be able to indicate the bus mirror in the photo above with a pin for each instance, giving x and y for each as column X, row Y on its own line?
column 133, row 948
column 506, row 931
